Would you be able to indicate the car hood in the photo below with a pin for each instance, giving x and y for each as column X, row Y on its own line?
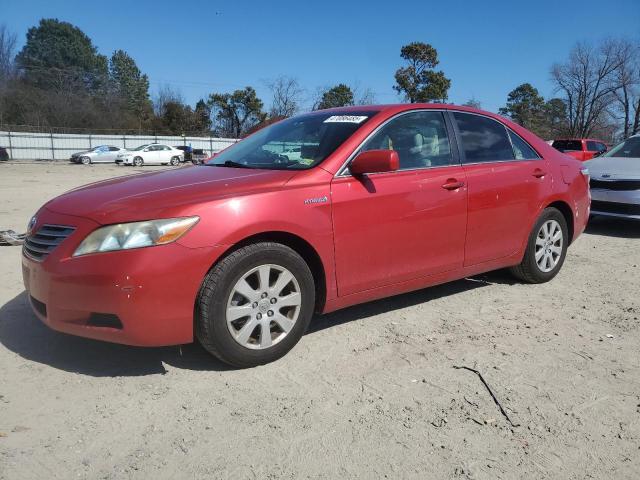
column 163, row 194
column 614, row 168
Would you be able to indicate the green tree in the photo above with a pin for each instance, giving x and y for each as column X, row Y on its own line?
column 58, row 55
column 339, row 96
column 130, row 85
column 202, row 117
column 526, row 107
column 418, row 81
column 556, row 121
column 236, row 112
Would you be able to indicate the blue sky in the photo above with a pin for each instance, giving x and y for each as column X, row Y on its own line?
column 486, row 47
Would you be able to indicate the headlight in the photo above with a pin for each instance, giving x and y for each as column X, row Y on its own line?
column 125, row 236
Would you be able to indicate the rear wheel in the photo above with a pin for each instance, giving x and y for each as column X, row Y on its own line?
column 546, row 249
column 255, row 304
column 138, row 161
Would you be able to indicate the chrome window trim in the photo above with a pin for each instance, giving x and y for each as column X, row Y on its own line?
column 343, row 171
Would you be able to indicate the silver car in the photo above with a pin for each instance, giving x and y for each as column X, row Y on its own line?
column 99, row 154
column 615, row 181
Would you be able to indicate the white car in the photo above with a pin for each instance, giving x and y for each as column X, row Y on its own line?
column 151, row 154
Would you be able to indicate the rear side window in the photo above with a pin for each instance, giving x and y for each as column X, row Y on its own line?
column 521, row 149
column 567, row 145
column 483, row 139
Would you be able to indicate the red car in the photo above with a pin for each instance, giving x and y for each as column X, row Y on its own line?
column 580, row 148
column 311, row 214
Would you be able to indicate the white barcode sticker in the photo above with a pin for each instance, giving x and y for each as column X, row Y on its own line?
column 345, row 119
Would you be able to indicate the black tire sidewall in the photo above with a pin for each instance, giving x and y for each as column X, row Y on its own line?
column 225, row 345
column 548, row 214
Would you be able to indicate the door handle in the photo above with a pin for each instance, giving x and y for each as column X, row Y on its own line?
column 538, row 173
column 452, row 184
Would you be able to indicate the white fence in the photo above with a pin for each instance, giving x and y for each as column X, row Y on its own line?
column 59, row 146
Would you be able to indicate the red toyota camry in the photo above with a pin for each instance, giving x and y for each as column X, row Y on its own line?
column 311, row 214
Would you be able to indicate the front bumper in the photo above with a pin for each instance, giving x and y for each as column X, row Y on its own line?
column 150, row 291
column 616, row 203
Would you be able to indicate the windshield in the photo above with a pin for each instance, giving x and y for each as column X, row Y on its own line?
column 141, row 147
column 297, row 143
column 630, row 148
column 567, row 145
column 99, row 148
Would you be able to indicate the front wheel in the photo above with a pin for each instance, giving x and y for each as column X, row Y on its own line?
column 255, row 304
column 175, row 161
column 138, row 162
column 86, row 160
column 546, row 248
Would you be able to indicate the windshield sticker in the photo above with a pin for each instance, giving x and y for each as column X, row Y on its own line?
column 346, row 119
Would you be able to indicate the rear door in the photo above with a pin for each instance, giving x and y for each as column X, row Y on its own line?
column 392, row 227
column 507, row 182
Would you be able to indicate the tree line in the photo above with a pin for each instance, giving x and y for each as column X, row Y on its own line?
column 59, row 79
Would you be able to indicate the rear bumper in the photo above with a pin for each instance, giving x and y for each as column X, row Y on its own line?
column 147, row 295
column 616, row 203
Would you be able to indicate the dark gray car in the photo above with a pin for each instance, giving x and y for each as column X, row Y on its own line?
column 615, row 181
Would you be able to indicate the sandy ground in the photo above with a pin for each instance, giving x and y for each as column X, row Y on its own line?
column 369, row 392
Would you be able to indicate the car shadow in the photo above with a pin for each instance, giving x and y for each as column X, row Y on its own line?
column 410, row 299
column 613, row 227
column 24, row 334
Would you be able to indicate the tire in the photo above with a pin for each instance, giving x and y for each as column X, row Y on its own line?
column 544, row 256
column 85, row 160
column 138, row 162
column 222, row 334
column 175, row 161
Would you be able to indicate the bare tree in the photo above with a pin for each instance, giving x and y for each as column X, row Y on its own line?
column 166, row 94
column 588, row 83
column 627, row 78
column 8, row 41
column 287, row 94
column 363, row 95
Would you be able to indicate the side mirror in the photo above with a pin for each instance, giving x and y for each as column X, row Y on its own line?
column 375, row 161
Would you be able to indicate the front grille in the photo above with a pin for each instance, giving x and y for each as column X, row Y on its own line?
column 40, row 244
column 615, row 184
column 613, row 207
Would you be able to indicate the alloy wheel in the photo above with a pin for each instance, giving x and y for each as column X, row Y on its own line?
column 263, row 306
column 548, row 246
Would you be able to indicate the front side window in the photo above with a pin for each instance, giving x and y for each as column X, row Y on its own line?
column 521, row 149
column 297, row 143
column 483, row 139
column 630, row 148
column 593, row 146
column 420, row 138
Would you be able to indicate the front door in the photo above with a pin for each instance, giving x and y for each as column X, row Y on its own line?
column 396, row 226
